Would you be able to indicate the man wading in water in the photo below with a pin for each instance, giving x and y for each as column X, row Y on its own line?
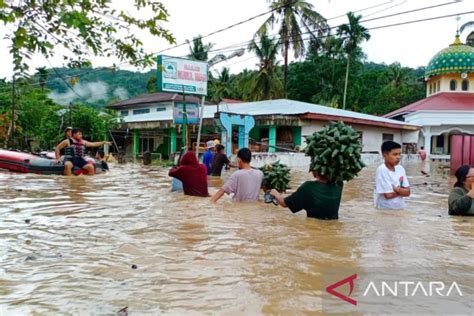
column 75, row 151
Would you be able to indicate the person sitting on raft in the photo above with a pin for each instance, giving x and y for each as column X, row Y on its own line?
column 192, row 174
column 461, row 198
column 76, row 151
column 319, row 198
column 245, row 183
column 68, row 135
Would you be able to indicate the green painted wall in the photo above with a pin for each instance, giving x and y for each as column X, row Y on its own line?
column 296, row 135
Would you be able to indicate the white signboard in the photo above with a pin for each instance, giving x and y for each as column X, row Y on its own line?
column 176, row 74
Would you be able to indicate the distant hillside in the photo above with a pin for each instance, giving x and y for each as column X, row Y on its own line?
column 97, row 87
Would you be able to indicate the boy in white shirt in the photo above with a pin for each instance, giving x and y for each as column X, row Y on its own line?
column 391, row 182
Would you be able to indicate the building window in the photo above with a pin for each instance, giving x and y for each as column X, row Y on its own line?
column 431, row 88
column 161, row 109
column 124, row 113
column 465, row 85
column 439, row 85
column 141, row 111
column 452, row 85
column 386, row 137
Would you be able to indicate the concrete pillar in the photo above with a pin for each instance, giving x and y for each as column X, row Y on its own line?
column 173, row 140
column 243, row 137
column 427, row 141
column 297, row 139
column 272, row 139
column 433, row 143
column 135, row 144
column 446, row 143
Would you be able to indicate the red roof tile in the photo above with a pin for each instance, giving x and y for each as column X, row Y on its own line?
column 445, row 101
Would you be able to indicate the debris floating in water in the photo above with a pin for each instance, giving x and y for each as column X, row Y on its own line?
column 27, row 221
column 134, row 266
column 123, row 311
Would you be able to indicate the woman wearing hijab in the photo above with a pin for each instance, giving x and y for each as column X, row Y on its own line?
column 192, row 174
column 461, row 198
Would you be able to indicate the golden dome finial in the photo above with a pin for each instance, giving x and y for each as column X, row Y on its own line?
column 457, row 40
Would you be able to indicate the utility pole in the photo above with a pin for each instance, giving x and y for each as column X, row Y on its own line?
column 12, row 133
column 70, row 114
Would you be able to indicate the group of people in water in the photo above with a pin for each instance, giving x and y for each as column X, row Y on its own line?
column 320, row 198
column 72, row 152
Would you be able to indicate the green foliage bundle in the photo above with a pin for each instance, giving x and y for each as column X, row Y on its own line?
column 276, row 176
column 335, row 152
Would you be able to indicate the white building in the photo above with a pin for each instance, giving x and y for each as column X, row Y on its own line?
column 448, row 108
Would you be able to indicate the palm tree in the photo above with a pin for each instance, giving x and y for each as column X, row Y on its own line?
column 266, row 84
column 199, row 51
column 352, row 33
column 221, row 86
column 293, row 16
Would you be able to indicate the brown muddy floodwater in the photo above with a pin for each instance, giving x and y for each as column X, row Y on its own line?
column 67, row 245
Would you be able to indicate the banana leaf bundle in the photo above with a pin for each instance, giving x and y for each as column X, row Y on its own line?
column 276, row 176
column 335, row 152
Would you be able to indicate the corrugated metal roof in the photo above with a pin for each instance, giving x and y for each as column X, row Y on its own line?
column 445, row 101
column 152, row 98
column 270, row 107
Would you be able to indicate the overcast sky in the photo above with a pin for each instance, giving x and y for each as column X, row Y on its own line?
column 411, row 45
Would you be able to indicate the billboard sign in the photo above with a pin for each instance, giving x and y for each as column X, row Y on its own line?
column 176, row 74
column 192, row 110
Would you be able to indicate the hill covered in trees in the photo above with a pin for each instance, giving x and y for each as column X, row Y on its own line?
column 374, row 88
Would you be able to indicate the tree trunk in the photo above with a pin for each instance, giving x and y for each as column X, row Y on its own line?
column 345, row 83
column 285, row 79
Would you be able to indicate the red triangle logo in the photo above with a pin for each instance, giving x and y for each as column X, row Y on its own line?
column 331, row 289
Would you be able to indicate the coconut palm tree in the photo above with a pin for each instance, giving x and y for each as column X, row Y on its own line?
column 292, row 16
column 199, row 51
column 266, row 84
column 352, row 33
column 221, row 86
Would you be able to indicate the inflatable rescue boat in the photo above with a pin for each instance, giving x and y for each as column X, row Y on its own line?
column 43, row 163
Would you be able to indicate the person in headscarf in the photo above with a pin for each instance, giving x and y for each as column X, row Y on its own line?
column 192, row 174
column 461, row 198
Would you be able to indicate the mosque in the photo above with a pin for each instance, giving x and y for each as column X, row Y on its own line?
column 448, row 108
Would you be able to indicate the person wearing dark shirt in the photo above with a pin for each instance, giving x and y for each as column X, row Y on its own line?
column 209, row 156
column 319, row 198
column 68, row 134
column 461, row 198
column 100, row 157
column 192, row 174
column 219, row 161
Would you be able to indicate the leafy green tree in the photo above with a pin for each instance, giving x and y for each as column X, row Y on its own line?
column 84, row 28
column 266, row 83
column 352, row 33
column 198, row 50
column 221, row 86
column 293, row 16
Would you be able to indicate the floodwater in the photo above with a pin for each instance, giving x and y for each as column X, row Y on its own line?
column 67, row 245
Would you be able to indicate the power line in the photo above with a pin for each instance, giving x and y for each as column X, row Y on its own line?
column 65, row 81
column 244, row 44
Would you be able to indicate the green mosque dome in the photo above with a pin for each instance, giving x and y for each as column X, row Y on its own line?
column 457, row 58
